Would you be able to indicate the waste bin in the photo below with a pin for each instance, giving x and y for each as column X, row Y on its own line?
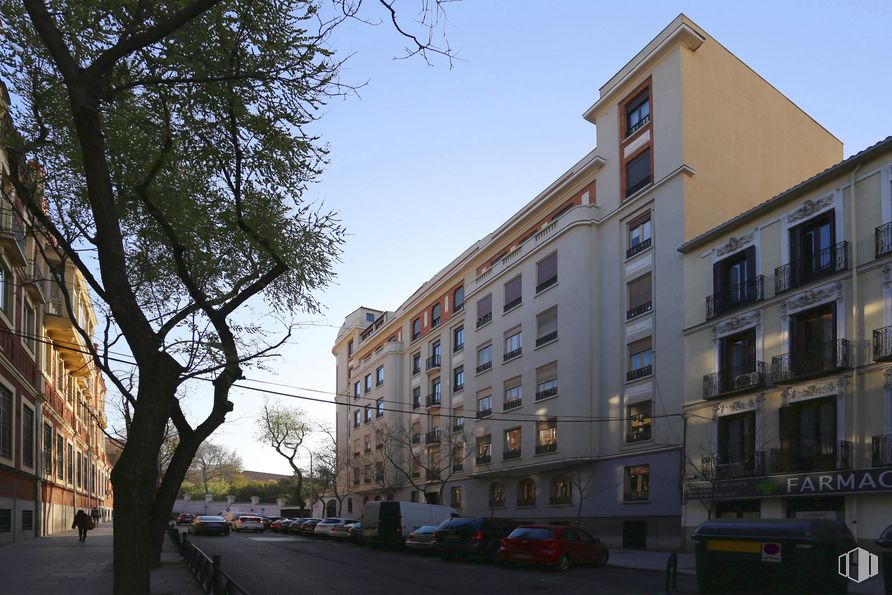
column 885, row 542
column 771, row 556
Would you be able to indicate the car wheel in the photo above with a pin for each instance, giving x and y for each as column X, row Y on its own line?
column 601, row 559
column 563, row 563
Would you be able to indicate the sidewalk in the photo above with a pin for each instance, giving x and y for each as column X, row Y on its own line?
column 648, row 560
column 59, row 564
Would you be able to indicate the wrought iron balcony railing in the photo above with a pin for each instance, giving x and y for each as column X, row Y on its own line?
column 484, row 366
column 882, row 344
column 484, row 413
column 512, row 404
column 883, row 239
column 639, row 247
column 433, row 362
column 638, row 310
column 732, row 380
column 432, row 475
column 484, row 319
column 561, row 499
column 521, row 501
column 800, row 271
column 812, row 360
column 751, row 466
column 881, row 451
column 639, row 372
column 546, row 284
column 837, row 455
column 639, row 435
column 433, row 400
column 636, row 495
column 548, row 392
column 511, row 453
column 542, row 449
column 483, row 459
column 548, row 338
column 432, row 437
column 512, row 304
column 512, row 354
column 735, row 296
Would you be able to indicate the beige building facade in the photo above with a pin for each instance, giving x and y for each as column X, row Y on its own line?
column 788, row 396
column 540, row 375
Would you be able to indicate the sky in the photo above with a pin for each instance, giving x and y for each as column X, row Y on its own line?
column 425, row 160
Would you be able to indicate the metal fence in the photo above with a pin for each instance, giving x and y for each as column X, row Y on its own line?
column 206, row 568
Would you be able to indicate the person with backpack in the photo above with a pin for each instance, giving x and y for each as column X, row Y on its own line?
column 81, row 521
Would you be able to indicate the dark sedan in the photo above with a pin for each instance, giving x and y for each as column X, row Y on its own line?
column 309, row 525
column 185, row 518
column 203, row 524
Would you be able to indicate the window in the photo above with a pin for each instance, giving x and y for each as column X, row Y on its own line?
column 484, row 406
column 368, row 382
column 416, row 397
column 350, row 348
column 526, row 493
column 640, row 359
column 416, row 363
column 357, row 389
column 512, row 444
column 636, row 483
column 546, row 272
column 27, row 520
column 546, row 326
column 638, row 172
column 366, row 445
column 369, row 317
column 416, row 328
column 484, row 358
column 808, row 436
column 436, row 351
column 455, row 497
column 27, row 435
column 513, row 295
column 546, row 381
column 458, row 299
column 6, row 291
column 458, row 418
column 484, row 449
column 435, row 315
column 30, row 330
column 350, row 503
column 813, row 251
column 368, row 414
column 638, row 112
column 546, row 436
column 458, row 339
column 366, row 473
column 6, row 418
column 458, row 456
column 70, row 464
column 356, row 418
column 379, row 407
column 60, row 457
column 484, row 310
column 513, row 394
column 639, row 235
column 737, row 364
column 560, row 491
column 435, row 396
column 47, row 449
column 513, row 347
column 639, row 296
column 80, row 469
column 379, row 376
column 639, row 420
column 458, row 379
column 496, row 495
column 5, row 520
column 734, row 283
column 736, row 445
column 813, row 346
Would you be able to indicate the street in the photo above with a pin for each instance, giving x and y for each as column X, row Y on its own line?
column 272, row 563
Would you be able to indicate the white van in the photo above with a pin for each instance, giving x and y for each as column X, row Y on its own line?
column 391, row 521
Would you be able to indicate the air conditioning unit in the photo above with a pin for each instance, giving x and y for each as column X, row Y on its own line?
column 745, row 380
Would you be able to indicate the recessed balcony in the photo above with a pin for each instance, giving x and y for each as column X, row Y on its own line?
column 433, row 437
column 433, row 362
column 511, row 453
column 881, row 451
column 639, row 310
column 733, row 380
column 797, row 459
column 34, row 281
column 883, row 239
column 882, row 344
column 813, row 360
column 816, row 266
column 735, row 296
column 639, row 373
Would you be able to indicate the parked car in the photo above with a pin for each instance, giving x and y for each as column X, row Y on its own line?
column 269, row 520
column 324, row 527
column 184, row 518
column 472, row 537
column 558, row 547
column 421, row 539
column 294, row 525
column 341, row 531
column 249, row 523
column 391, row 521
column 355, row 533
column 209, row 524
column 308, row 526
column 278, row 525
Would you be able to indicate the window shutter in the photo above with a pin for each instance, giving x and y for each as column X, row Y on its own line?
column 546, row 269
column 513, row 290
column 639, row 291
column 547, row 322
column 484, row 306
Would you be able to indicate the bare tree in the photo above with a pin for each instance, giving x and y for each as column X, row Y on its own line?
column 285, row 429
column 331, row 470
column 214, row 462
column 582, row 479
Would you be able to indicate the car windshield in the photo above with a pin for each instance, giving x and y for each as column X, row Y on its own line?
column 425, row 529
column 531, row 533
column 212, row 519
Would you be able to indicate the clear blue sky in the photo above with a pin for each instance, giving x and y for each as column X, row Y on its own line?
column 427, row 160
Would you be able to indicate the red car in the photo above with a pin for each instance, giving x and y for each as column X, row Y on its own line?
column 556, row 546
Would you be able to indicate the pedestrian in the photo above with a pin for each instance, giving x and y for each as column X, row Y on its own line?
column 95, row 516
column 81, row 520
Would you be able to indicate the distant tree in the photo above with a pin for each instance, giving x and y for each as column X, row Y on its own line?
column 286, row 429
column 213, row 462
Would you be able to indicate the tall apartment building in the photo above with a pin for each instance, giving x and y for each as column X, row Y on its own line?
column 540, row 375
column 788, row 396
column 52, row 397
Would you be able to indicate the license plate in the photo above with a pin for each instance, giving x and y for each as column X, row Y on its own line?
column 730, row 545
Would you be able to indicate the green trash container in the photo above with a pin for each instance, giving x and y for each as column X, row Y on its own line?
column 885, row 542
column 771, row 556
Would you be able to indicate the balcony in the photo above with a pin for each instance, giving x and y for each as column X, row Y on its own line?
column 639, row 247
column 433, row 400
column 34, row 281
column 512, row 404
column 483, row 459
column 753, row 466
column 458, row 387
column 484, row 413
column 639, row 372
column 511, row 453
column 548, row 392
column 512, row 304
column 734, row 380
column 521, row 501
column 639, row 435
column 881, row 451
column 546, row 284
column 793, row 460
column 735, row 296
column 546, row 338
column 542, row 449
column 484, row 366
column 636, row 495
column 433, row 362
column 432, row 437
column 484, row 319
column 641, row 123
column 12, row 236
column 639, row 310
column 799, row 272
column 883, row 239
column 814, row 360
column 559, row 500
column 512, row 354
column 882, row 344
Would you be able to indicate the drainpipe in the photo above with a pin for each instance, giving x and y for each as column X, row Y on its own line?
column 857, row 334
column 38, row 468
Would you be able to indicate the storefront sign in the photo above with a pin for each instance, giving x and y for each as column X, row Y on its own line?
column 830, row 483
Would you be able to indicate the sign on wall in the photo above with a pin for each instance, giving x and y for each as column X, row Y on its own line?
column 830, row 483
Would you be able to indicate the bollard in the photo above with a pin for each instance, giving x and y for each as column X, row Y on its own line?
column 671, row 573
column 216, row 587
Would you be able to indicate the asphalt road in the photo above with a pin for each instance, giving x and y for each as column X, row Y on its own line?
column 269, row 563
